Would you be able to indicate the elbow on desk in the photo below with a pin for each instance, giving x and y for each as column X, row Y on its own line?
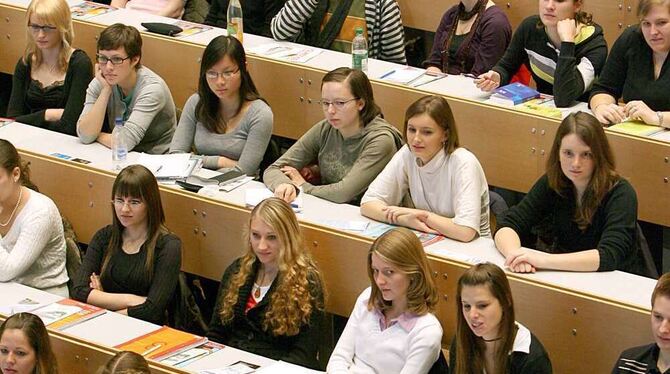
column 86, row 138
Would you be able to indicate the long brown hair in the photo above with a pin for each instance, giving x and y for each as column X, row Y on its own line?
column 644, row 6
column 402, row 249
column 437, row 108
column 360, row 87
column 10, row 160
column 52, row 12
column 126, row 362
column 138, row 182
column 292, row 304
column 38, row 338
column 208, row 108
column 470, row 348
column 604, row 176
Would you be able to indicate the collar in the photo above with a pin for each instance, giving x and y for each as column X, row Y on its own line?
column 406, row 321
column 522, row 339
column 435, row 164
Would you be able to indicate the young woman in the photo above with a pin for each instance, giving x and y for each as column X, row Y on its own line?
column 32, row 244
column 581, row 209
column 636, row 70
column 123, row 89
column 25, row 347
column 392, row 328
column 654, row 357
column 50, row 80
column 271, row 300
column 350, row 147
column 226, row 120
column 459, row 208
column 488, row 340
column 132, row 266
column 471, row 38
column 126, row 362
column 560, row 29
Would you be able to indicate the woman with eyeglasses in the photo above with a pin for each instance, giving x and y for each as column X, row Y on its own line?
column 348, row 148
column 125, row 90
column 132, row 266
column 50, row 80
column 471, row 38
column 32, row 245
column 227, row 120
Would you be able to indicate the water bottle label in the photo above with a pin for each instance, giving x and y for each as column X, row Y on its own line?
column 359, row 61
column 234, row 29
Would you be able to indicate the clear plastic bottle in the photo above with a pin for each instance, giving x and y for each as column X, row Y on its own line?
column 235, row 20
column 359, row 51
column 119, row 146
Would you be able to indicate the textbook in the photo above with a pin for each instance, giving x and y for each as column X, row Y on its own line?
column 67, row 313
column 190, row 28
column 186, row 357
column 514, row 94
column 426, row 239
column 89, row 9
column 162, row 343
column 543, row 106
column 638, row 128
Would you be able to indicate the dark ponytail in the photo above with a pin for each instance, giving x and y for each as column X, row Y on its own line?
column 10, row 159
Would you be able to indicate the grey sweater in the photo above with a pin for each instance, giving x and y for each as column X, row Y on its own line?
column 246, row 143
column 347, row 166
column 150, row 117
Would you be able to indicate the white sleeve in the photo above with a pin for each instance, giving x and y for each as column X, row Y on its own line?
column 391, row 184
column 469, row 182
column 424, row 348
column 35, row 232
column 343, row 354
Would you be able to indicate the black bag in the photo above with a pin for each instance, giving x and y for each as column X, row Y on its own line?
column 162, row 28
column 312, row 33
column 185, row 313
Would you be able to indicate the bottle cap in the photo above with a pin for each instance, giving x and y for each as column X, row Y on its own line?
column 359, row 31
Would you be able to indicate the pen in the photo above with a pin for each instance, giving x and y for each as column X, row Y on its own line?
column 387, row 74
column 159, row 168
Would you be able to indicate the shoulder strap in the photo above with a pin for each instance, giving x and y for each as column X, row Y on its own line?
column 316, row 37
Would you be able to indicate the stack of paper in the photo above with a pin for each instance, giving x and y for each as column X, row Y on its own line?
column 168, row 167
column 67, row 313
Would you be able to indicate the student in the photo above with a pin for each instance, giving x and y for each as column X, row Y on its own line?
column 392, row 328
column 586, row 214
column 32, row 244
column 636, row 70
column 132, row 266
column 257, row 15
column 471, row 38
column 126, row 362
column 25, row 347
column 488, row 339
column 351, row 146
column 655, row 357
column 50, row 80
column 380, row 20
column 124, row 89
column 560, row 29
column 271, row 300
column 165, row 8
column 226, row 120
column 445, row 182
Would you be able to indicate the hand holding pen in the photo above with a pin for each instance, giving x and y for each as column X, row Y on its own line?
column 488, row 81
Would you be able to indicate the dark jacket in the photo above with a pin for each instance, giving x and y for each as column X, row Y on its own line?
column 246, row 330
column 256, row 14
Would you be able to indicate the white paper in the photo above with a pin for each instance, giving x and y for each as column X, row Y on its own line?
column 253, row 197
column 346, row 225
column 176, row 165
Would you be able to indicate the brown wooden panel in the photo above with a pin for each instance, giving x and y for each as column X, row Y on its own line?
column 609, row 15
column 86, row 37
column 182, row 217
column 313, row 110
column 518, row 10
column 13, row 36
column 394, row 101
column 424, row 14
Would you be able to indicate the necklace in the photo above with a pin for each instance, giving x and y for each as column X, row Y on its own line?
column 257, row 291
column 18, row 202
column 492, row 340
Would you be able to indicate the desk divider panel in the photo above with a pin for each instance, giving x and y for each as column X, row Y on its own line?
column 13, row 36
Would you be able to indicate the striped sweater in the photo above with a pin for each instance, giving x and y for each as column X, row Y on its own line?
column 386, row 36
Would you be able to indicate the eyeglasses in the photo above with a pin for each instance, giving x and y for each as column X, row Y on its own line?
column 132, row 203
column 338, row 104
column 45, row 28
column 212, row 75
column 116, row 60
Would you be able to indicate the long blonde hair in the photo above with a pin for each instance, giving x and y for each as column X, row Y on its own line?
column 293, row 302
column 52, row 12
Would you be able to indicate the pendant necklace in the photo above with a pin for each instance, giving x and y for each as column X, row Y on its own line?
column 18, row 202
column 257, row 292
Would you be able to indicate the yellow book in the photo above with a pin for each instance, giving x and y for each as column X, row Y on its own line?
column 162, row 343
column 638, row 128
column 541, row 107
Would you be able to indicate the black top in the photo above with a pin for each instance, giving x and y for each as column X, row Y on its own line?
column 639, row 360
column 29, row 100
column 559, row 72
column 246, row 330
column 611, row 232
column 126, row 274
column 256, row 14
column 629, row 72
column 536, row 361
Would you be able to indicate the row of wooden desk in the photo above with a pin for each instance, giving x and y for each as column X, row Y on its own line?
column 511, row 146
column 595, row 315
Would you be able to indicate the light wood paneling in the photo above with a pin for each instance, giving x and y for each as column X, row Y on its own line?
column 424, row 14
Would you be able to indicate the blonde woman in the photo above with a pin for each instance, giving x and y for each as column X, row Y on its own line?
column 271, row 299
column 392, row 328
column 50, row 80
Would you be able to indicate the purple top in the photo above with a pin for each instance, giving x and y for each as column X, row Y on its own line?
column 488, row 44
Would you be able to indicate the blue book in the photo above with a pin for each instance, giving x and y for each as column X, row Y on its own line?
column 514, row 94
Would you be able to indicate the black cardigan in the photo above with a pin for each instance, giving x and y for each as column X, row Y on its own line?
column 79, row 74
column 246, row 330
